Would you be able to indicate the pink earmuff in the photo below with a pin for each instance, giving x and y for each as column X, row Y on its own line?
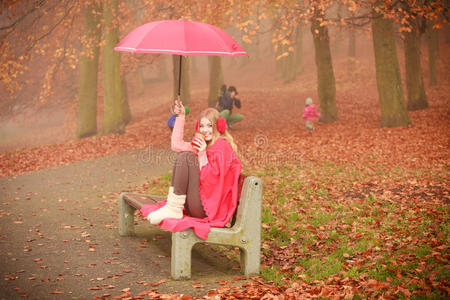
column 221, row 125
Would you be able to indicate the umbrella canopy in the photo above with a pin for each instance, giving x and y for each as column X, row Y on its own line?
column 180, row 37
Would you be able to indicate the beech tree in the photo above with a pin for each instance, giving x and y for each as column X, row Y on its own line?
column 215, row 79
column 413, row 18
column 433, row 47
column 408, row 14
column 287, row 19
column 414, row 79
column 417, row 98
column 299, row 65
column 287, row 38
column 87, row 97
column 326, row 85
column 351, row 43
column 389, row 83
column 114, row 100
column 27, row 32
column 32, row 32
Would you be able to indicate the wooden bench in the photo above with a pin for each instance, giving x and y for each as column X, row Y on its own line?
column 245, row 230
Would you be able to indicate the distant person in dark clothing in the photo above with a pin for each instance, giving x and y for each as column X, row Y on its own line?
column 226, row 102
column 224, row 98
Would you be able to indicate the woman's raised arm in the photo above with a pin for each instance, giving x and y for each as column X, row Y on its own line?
column 177, row 142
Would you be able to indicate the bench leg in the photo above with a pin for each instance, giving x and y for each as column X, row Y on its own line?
column 126, row 218
column 250, row 259
column 182, row 243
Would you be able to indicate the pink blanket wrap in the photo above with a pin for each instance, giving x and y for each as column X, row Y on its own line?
column 218, row 192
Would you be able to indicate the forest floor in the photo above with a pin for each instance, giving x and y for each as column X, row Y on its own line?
column 349, row 209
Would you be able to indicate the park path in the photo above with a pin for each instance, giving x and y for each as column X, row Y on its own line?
column 59, row 237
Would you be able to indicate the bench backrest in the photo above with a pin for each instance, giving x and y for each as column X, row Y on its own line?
column 249, row 210
column 241, row 181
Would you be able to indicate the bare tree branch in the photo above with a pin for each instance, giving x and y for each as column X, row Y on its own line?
column 51, row 29
column 64, row 54
column 38, row 4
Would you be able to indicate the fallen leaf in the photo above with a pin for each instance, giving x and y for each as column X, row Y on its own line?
column 56, row 292
column 158, row 282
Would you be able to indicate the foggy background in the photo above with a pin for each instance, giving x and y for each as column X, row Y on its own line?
column 31, row 115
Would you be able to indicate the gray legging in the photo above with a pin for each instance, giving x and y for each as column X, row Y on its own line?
column 186, row 181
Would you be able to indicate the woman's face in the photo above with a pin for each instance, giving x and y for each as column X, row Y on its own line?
column 206, row 128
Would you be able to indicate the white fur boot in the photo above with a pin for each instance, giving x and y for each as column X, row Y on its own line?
column 172, row 209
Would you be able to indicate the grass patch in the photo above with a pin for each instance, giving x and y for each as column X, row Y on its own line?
column 160, row 185
column 317, row 269
column 422, row 250
column 338, row 224
column 321, row 219
column 369, row 233
column 272, row 274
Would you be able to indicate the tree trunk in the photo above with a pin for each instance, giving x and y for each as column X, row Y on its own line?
column 257, row 38
column 113, row 121
column 414, row 80
column 257, row 48
column 125, row 103
column 432, row 52
column 390, row 91
column 243, row 60
column 215, row 79
column 326, row 86
column 185, row 78
column 140, row 80
column 289, row 66
column 162, row 69
column 299, row 66
column 87, row 99
column 447, row 33
column 279, row 62
column 337, row 43
column 352, row 43
column 138, row 16
column 351, row 50
column 447, row 26
column 193, row 61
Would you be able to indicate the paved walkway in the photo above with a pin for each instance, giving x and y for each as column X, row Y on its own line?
column 59, row 238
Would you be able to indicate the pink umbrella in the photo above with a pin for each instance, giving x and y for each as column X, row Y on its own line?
column 180, row 37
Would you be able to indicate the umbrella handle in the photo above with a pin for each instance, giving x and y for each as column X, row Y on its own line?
column 179, row 78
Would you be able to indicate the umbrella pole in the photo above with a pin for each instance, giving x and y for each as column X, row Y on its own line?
column 179, row 78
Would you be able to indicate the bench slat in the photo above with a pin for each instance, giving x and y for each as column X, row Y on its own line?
column 138, row 200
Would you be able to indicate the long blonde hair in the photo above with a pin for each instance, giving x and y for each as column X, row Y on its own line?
column 213, row 115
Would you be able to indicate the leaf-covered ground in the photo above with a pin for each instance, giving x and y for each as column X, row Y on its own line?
column 349, row 210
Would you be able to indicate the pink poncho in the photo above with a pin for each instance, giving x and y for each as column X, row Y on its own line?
column 218, row 192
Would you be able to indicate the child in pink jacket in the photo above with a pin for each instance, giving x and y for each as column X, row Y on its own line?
column 309, row 114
